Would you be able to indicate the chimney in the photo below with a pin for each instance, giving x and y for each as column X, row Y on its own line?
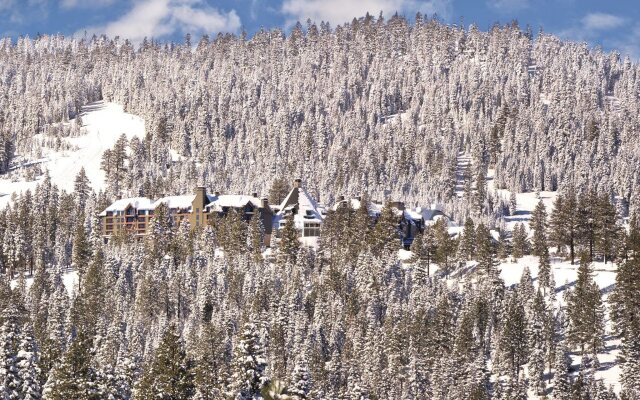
column 398, row 204
column 297, row 183
column 216, row 193
column 359, row 198
column 265, row 202
column 254, row 194
column 340, row 198
column 201, row 190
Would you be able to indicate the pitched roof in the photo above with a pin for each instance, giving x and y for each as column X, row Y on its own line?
column 308, row 209
column 216, row 203
column 179, row 202
column 139, row 203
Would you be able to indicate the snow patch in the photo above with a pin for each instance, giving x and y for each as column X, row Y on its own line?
column 103, row 123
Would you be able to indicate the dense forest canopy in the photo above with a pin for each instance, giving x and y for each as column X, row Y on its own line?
column 378, row 105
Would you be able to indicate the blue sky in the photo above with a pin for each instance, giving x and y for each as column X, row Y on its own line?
column 610, row 24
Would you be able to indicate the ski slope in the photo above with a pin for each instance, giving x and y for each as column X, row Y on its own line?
column 103, row 123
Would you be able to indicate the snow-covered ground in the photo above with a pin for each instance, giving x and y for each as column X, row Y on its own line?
column 525, row 202
column 565, row 276
column 103, row 123
column 69, row 279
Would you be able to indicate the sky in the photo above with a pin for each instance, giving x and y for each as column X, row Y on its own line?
column 612, row 24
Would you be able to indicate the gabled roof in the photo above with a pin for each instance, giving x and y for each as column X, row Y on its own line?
column 308, row 209
column 217, row 203
column 179, row 202
column 374, row 208
column 139, row 203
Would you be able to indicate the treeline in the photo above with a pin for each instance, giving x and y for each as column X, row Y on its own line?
column 176, row 316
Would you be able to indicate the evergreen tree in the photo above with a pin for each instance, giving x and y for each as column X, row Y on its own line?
column 10, row 379
column 385, row 235
column 27, row 365
column 585, row 310
column 607, row 229
column 301, row 382
column 484, row 250
column 624, row 311
column 561, row 383
column 289, row 242
column 81, row 189
column 513, row 345
column 519, row 241
column 444, row 246
column 211, row 362
column 565, row 223
column 256, row 237
column 81, row 250
column 422, row 250
column 278, row 191
column 170, row 374
column 538, row 224
column 468, row 241
column 74, row 377
column 248, row 366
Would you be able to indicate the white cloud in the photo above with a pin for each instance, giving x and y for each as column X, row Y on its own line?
column 339, row 11
column 602, row 21
column 630, row 44
column 508, row 5
column 592, row 26
column 159, row 18
column 85, row 4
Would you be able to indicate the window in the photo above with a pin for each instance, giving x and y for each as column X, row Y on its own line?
column 311, row 229
column 141, row 226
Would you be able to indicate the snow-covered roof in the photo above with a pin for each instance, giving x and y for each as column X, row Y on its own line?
column 139, row 203
column 413, row 214
column 374, row 208
column 179, row 202
column 308, row 209
column 232, row 200
column 431, row 214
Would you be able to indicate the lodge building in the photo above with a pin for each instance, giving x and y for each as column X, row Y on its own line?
column 133, row 215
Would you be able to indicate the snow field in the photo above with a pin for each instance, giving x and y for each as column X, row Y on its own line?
column 103, row 123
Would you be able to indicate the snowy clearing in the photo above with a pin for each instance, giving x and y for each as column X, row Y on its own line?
column 103, row 123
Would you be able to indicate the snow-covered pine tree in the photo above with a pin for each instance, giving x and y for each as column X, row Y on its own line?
column 585, row 310
column 169, row 374
column 249, row 366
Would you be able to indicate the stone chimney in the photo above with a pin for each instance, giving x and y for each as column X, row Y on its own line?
column 297, row 183
column 201, row 190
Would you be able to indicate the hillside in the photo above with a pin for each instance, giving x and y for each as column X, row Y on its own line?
column 528, row 144
column 102, row 124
